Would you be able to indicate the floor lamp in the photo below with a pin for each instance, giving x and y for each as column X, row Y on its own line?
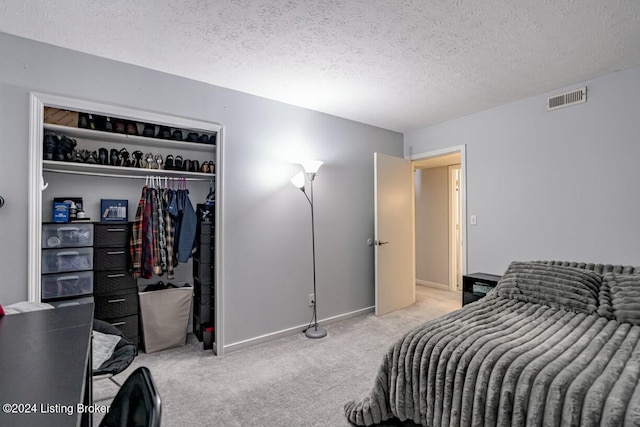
column 310, row 171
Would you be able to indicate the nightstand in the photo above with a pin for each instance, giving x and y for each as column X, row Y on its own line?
column 477, row 285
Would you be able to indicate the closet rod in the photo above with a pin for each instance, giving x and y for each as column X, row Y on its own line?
column 128, row 176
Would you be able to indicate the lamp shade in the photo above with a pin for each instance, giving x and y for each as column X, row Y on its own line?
column 298, row 180
column 312, row 166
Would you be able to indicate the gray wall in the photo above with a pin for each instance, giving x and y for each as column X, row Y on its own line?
column 551, row 185
column 267, row 243
column 432, row 225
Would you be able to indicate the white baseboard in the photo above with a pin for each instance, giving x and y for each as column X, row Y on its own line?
column 292, row 331
column 432, row 284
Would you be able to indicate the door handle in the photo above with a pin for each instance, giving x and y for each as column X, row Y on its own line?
column 372, row 242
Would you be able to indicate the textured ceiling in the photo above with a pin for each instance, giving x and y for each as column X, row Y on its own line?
column 397, row 64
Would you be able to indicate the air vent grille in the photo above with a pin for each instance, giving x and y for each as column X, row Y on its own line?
column 566, row 99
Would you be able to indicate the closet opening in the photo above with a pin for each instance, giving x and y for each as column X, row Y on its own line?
column 93, row 175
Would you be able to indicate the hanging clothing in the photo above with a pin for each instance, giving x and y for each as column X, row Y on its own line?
column 169, row 232
column 157, row 264
column 163, row 233
column 187, row 228
column 148, row 245
column 162, row 230
column 178, row 208
column 136, row 241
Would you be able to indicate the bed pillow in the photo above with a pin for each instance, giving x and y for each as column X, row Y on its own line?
column 567, row 288
column 620, row 297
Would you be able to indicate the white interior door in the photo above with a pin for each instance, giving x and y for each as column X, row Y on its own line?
column 395, row 273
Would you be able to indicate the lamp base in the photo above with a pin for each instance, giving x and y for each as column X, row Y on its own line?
column 315, row 332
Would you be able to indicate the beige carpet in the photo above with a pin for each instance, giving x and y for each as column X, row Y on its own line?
column 292, row 381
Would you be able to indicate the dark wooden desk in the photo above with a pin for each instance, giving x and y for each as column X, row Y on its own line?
column 45, row 367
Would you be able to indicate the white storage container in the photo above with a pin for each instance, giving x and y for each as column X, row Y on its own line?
column 67, row 284
column 68, row 259
column 66, row 235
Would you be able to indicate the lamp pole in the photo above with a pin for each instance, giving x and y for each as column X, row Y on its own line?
column 314, row 331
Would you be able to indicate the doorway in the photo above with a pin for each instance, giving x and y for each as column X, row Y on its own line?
column 439, row 212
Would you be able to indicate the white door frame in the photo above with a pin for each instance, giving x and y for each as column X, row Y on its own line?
column 36, row 182
column 455, row 217
column 463, row 188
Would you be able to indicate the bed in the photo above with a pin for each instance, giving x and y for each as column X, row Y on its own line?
column 555, row 343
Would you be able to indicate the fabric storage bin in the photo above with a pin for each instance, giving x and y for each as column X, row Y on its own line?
column 164, row 316
column 115, row 305
column 110, row 259
column 67, row 284
column 72, row 259
column 66, row 235
column 112, row 235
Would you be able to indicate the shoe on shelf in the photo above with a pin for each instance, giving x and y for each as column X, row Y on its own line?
column 64, row 149
column 205, row 167
column 91, row 122
column 177, row 163
column 176, row 135
column 137, row 159
column 204, row 138
column 149, row 130
column 164, row 132
column 113, row 157
column 49, row 142
column 108, row 124
column 76, row 156
column 192, row 137
column 123, row 157
column 148, row 159
column 186, row 165
column 103, row 156
column 157, row 161
column 168, row 162
column 132, row 128
column 121, row 126
column 195, row 166
column 212, row 167
column 92, row 157
column 83, row 122
column 67, row 143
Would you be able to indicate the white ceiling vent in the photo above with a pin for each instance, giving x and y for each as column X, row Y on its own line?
column 566, row 99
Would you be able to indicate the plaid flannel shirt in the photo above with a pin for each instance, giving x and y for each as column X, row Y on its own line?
column 135, row 242
column 169, row 233
column 148, row 242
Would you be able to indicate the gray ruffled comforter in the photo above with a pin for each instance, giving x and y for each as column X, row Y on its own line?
column 507, row 362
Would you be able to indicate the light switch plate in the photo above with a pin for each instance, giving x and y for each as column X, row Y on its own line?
column 473, row 220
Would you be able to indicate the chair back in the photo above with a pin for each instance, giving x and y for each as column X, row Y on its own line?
column 137, row 403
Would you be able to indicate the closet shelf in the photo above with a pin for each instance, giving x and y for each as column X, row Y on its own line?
column 121, row 138
column 119, row 171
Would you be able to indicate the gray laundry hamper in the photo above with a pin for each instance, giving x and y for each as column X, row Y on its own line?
column 165, row 317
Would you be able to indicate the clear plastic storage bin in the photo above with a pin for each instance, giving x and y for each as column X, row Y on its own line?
column 71, row 259
column 66, row 235
column 67, row 284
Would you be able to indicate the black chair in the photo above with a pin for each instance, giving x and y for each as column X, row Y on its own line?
column 123, row 354
column 137, row 403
